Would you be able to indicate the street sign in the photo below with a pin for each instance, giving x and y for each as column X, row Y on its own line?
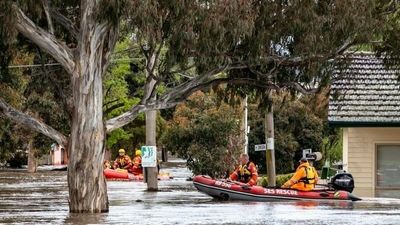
column 261, row 147
column 149, row 156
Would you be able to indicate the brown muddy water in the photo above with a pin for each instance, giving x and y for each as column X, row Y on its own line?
column 42, row 198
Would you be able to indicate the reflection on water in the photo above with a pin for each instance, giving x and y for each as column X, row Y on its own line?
column 42, row 199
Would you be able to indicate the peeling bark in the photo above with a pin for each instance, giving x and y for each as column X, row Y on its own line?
column 87, row 186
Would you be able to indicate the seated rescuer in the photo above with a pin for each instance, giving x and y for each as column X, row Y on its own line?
column 122, row 161
column 246, row 172
column 305, row 177
column 106, row 164
column 137, row 163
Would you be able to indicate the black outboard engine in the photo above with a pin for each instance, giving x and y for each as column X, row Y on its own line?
column 343, row 181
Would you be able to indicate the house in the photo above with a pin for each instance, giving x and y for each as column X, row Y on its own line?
column 365, row 102
column 58, row 155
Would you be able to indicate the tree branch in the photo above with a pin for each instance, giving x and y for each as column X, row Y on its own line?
column 32, row 123
column 298, row 60
column 44, row 40
column 166, row 101
column 65, row 22
column 116, row 106
column 46, row 7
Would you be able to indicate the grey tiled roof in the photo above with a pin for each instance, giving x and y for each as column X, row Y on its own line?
column 364, row 92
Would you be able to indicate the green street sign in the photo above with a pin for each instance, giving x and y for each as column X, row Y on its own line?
column 149, row 156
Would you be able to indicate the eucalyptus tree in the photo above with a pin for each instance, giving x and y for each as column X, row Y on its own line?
column 204, row 38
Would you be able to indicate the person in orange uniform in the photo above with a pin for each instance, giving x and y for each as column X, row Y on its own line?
column 137, row 169
column 304, row 179
column 246, row 172
column 123, row 161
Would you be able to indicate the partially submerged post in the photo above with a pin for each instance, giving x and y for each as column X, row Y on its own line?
column 270, row 153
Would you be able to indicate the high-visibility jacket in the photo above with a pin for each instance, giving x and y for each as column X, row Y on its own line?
column 123, row 162
column 246, row 173
column 304, row 178
column 137, row 165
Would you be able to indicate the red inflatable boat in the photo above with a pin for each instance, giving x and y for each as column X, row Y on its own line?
column 228, row 190
column 123, row 175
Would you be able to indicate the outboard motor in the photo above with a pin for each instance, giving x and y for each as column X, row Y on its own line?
column 343, row 181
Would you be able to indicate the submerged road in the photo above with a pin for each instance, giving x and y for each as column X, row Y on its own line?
column 42, row 198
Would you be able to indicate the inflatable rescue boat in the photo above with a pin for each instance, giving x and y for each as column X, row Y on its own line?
column 231, row 190
column 123, row 175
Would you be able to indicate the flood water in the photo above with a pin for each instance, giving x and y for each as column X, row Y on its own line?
column 42, row 198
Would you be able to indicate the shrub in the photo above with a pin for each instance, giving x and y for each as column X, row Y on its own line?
column 280, row 180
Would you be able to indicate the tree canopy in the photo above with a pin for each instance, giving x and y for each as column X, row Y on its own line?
column 188, row 46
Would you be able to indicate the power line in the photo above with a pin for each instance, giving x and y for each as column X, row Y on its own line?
column 58, row 64
column 32, row 65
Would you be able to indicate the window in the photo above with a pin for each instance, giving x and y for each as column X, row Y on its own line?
column 388, row 171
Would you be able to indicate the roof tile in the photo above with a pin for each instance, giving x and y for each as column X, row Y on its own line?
column 364, row 91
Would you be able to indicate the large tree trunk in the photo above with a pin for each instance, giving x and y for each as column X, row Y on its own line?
column 32, row 164
column 86, row 64
column 87, row 185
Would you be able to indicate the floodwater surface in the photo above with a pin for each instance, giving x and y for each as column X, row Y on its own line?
column 42, row 198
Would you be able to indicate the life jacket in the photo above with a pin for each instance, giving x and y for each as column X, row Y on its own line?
column 244, row 174
column 310, row 175
column 123, row 161
column 137, row 161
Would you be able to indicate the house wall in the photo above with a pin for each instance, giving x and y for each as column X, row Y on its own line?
column 359, row 155
column 59, row 156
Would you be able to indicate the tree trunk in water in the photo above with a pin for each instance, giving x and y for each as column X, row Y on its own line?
column 270, row 153
column 87, row 185
column 32, row 164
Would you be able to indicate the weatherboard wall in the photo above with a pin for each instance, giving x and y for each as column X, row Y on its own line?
column 359, row 154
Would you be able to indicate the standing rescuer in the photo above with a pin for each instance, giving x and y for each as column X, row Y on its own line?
column 305, row 177
column 246, row 172
column 122, row 161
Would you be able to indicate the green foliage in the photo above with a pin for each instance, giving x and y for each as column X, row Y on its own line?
column 285, row 41
column 389, row 33
column 280, row 180
column 123, row 87
column 299, row 124
column 205, row 134
column 332, row 151
column 120, row 84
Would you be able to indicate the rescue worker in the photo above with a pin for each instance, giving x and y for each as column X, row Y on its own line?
column 246, row 172
column 106, row 164
column 136, row 168
column 305, row 177
column 122, row 161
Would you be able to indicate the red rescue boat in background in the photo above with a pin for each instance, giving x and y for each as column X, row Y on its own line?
column 123, row 175
column 228, row 190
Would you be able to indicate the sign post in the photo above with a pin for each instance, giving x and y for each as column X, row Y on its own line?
column 149, row 156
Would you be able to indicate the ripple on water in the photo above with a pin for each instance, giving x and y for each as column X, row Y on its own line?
column 42, row 198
